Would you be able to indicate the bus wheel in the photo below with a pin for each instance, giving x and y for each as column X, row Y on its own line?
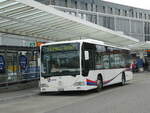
column 99, row 85
column 123, row 79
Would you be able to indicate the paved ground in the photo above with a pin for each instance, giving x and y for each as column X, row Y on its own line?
column 10, row 96
column 132, row 98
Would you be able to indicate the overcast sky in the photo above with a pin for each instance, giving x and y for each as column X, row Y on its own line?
column 145, row 4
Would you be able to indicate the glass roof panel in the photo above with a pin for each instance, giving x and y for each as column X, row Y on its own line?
column 27, row 17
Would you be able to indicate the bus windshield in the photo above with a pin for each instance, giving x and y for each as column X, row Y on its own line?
column 60, row 60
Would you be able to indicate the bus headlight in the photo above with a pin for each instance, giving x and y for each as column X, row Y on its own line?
column 79, row 84
column 44, row 85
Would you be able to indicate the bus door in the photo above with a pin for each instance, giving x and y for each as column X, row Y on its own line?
column 88, row 58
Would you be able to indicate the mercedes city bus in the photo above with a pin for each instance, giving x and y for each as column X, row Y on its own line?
column 82, row 65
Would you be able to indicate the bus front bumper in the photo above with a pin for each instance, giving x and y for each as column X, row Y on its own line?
column 73, row 88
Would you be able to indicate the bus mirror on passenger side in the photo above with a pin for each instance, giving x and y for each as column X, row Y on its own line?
column 86, row 54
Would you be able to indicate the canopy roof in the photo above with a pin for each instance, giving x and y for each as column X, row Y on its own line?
column 30, row 18
column 140, row 46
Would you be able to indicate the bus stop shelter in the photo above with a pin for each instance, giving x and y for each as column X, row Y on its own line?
column 141, row 46
column 33, row 19
column 18, row 64
column 142, row 50
column 30, row 18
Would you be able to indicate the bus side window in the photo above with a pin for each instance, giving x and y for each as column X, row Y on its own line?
column 106, row 61
column 106, row 57
column 98, row 61
column 117, row 58
column 127, row 58
column 100, row 50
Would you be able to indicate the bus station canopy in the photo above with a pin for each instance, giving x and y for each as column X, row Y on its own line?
column 141, row 46
column 31, row 18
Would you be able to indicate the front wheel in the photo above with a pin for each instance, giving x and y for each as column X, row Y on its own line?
column 99, row 85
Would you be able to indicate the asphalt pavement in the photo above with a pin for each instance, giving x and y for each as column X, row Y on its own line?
column 131, row 98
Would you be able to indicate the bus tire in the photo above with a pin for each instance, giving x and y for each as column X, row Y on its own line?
column 123, row 79
column 99, row 84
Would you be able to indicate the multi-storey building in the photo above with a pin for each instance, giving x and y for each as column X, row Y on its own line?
column 131, row 21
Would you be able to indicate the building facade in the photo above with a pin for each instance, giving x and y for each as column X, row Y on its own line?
column 131, row 21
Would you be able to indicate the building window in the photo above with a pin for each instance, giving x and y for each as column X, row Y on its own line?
column 104, row 9
column 66, row 3
column 147, row 31
column 53, row 2
column 109, row 22
column 75, row 4
column 136, row 14
column 125, row 13
column 132, row 14
column 86, row 6
column 110, row 10
column 140, row 15
column 91, row 7
column 117, row 12
column 145, row 16
column 96, row 8
column 149, row 17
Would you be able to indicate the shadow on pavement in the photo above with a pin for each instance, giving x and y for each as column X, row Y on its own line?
column 81, row 93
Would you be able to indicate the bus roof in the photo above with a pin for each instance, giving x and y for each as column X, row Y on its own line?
column 91, row 41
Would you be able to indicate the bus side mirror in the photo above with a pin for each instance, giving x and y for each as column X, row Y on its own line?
column 86, row 55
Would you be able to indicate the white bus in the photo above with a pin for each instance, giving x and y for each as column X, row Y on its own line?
column 82, row 65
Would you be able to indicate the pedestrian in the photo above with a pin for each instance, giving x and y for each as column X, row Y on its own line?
column 140, row 64
column 133, row 66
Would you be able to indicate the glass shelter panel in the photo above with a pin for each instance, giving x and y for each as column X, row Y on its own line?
column 16, row 66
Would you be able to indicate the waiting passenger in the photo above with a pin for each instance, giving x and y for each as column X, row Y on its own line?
column 140, row 64
column 133, row 67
